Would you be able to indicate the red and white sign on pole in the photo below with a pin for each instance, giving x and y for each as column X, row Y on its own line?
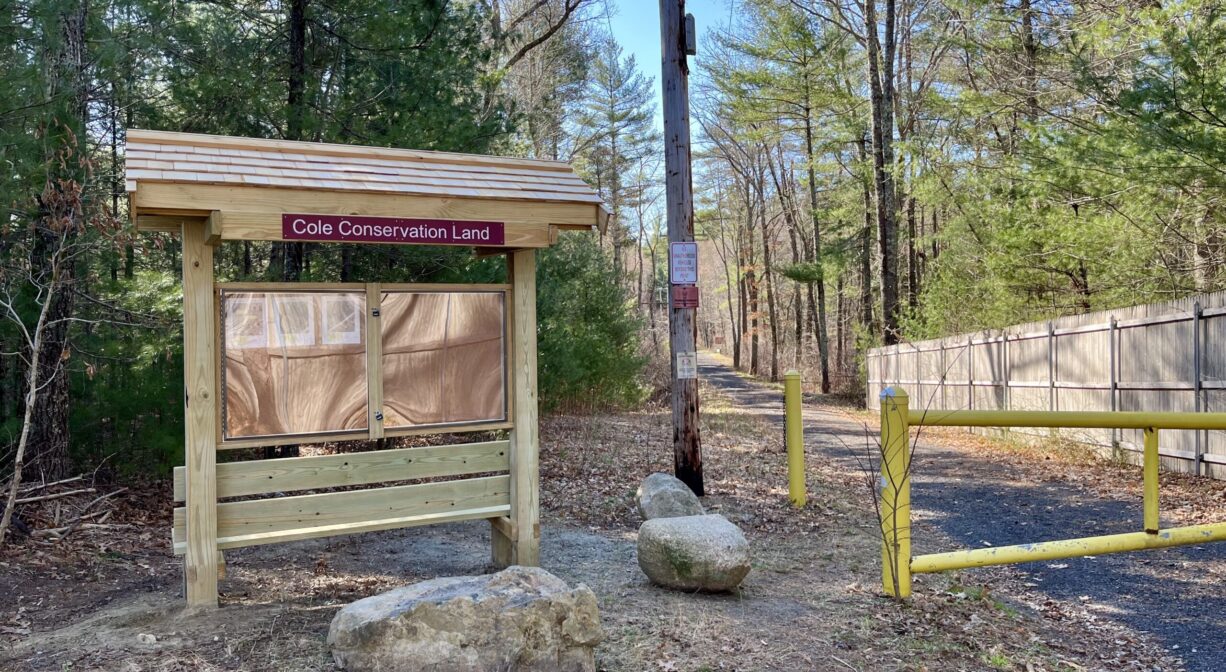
column 685, row 296
column 683, row 264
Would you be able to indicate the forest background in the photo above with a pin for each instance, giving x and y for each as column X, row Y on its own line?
column 865, row 172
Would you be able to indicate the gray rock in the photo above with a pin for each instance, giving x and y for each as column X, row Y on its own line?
column 693, row 553
column 522, row 618
column 665, row 496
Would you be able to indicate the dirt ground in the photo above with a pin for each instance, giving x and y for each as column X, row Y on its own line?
column 110, row 598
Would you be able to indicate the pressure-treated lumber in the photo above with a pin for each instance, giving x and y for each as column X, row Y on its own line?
column 361, row 434
column 200, row 386
column 479, row 513
column 281, row 514
column 524, row 548
column 290, row 474
column 182, row 199
column 374, row 361
column 267, row 226
column 212, row 228
column 167, row 142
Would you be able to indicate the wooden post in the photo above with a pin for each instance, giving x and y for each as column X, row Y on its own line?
column 687, row 447
column 518, row 543
column 374, row 360
column 1198, row 387
column 200, row 564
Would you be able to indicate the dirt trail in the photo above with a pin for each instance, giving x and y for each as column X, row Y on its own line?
column 1177, row 595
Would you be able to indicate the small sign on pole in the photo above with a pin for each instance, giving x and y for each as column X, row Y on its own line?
column 684, row 263
column 685, row 296
column 687, row 366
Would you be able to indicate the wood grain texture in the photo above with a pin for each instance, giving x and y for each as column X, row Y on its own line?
column 163, row 140
column 351, row 508
column 166, row 223
column 267, row 226
column 683, row 328
column 290, row 474
column 198, row 199
column 256, row 539
column 199, row 515
column 525, row 438
column 374, row 361
column 185, row 159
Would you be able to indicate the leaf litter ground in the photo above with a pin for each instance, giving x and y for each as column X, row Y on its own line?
column 110, row 599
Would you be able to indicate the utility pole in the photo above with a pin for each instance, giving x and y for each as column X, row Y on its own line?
column 677, row 39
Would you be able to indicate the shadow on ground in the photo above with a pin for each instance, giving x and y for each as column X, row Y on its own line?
column 1176, row 595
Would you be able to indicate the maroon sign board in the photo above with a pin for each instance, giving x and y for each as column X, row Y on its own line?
column 685, row 296
column 361, row 229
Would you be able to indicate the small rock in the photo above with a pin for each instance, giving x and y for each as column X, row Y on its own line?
column 522, row 618
column 693, row 553
column 665, row 496
column 145, row 638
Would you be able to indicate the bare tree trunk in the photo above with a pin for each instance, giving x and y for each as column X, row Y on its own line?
column 768, row 273
column 60, row 209
column 1030, row 65
column 823, row 345
column 913, row 277
column 33, row 382
column 840, row 321
column 866, row 245
column 751, row 285
column 881, row 85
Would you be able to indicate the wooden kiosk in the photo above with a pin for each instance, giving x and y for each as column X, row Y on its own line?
column 270, row 364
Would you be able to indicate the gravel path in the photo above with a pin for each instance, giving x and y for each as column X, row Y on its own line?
column 1176, row 595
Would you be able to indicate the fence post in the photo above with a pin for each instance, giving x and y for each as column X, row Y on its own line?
column 1197, row 385
column 1051, row 366
column 1004, row 348
column 944, row 375
column 1113, row 358
column 970, row 373
column 794, row 438
column 895, row 494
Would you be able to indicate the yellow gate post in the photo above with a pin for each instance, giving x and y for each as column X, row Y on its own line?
column 794, row 438
column 894, row 504
column 1149, row 465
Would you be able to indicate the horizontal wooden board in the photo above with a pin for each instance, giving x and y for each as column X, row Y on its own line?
column 161, row 139
column 267, row 226
column 276, row 165
column 165, row 223
column 352, row 508
column 490, row 512
column 371, row 183
column 257, row 477
column 158, row 198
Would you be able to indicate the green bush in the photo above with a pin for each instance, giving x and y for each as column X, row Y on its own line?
column 587, row 330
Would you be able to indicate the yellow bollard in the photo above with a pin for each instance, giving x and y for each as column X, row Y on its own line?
column 795, row 438
column 1150, row 471
column 895, row 493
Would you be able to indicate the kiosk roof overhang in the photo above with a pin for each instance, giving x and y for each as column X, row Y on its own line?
column 242, row 186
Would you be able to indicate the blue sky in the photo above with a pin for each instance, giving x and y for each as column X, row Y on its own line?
column 636, row 26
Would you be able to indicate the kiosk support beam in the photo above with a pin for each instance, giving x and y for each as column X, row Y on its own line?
column 522, row 545
column 200, row 565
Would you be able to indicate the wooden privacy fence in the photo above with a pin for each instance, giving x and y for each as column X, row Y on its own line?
column 1157, row 357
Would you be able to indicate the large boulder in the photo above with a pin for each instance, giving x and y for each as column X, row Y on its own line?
column 665, row 496
column 693, row 553
column 522, row 618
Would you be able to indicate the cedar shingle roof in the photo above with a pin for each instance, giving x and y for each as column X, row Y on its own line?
column 158, row 156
